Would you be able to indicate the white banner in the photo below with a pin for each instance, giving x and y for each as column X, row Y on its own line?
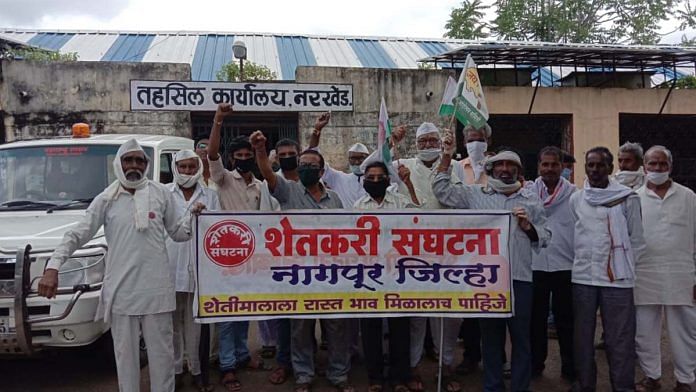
column 324, row 264
column 251, row 96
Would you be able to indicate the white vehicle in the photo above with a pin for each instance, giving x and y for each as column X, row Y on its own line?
column 45, row 187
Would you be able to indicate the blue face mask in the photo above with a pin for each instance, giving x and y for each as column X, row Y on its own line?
column 565, row 173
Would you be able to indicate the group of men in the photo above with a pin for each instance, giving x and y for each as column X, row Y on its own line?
column 627, row 251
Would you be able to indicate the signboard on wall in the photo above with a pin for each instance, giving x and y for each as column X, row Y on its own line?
column 251, row 96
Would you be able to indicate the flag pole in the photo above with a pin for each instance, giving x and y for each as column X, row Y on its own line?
column 441, row 349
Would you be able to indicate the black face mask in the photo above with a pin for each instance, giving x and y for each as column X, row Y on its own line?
column 308, row 175
column 288, row 164
column 244, row 165
column 376, row 189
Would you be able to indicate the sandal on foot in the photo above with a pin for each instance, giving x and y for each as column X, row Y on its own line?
column 303, row 387
column 376, row 388
column 343, row 386
column 268, row 352
column 400, row 388
column 279, row 375
column 416, row 384
column 230, row 382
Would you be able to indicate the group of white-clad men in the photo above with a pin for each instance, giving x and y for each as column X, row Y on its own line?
column 627, row 251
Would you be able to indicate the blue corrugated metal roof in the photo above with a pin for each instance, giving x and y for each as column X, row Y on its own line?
column 548, row 78
column 129, row 47
column 50, row 41
column 212, row 52
column 371, row 53
column 294, row 51
column 433, row 47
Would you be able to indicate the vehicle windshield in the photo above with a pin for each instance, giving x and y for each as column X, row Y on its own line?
column 41, row 176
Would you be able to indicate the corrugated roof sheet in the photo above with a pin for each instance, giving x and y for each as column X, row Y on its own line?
column 129, row 47
column 50, row 41
column 371, row 53
column 207, row 52
column 212, row 52
column 294, row 51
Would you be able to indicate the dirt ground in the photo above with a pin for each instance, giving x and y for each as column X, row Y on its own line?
column 85, row 369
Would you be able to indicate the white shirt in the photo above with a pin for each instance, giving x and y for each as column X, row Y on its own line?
column 666, row 274
column 182, row 254
column 559, row 254
column 138, row 278
column 593, row 241
column 391, row 201
column 422, row 178
column 348, row 186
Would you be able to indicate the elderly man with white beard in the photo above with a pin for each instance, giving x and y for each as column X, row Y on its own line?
column 666, row 274
column 187, row 189
column 503, row 192
column 138, row 291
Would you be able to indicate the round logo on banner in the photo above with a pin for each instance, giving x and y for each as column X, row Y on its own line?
column 229, row 243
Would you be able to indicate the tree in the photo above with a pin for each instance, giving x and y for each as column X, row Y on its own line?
column 581, row 21
column 467, row 22
column 252, row 72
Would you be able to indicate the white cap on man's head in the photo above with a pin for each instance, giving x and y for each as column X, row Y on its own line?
column 425, row 129
column 359, row 147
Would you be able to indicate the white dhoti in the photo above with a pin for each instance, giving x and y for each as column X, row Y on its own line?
column 418, row 328
column 157, row 332
column 681, row 331
column 187, row 335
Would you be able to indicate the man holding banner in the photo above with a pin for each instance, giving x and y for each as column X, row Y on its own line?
column 379, row 197
column 309, row 193
column 503, row 192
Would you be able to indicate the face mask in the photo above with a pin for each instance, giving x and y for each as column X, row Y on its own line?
column 288, row 164
column 429, row 155
column 657, row 178
column 186, row 180
column 244, row 165
column 629, row 178
column 476, row 151
column 355, row 169
column 308, row 175
column 565, row 173
column 501, row 187
column 376, row 189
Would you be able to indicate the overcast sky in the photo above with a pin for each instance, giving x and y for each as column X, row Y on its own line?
column 403, row 18
column 406, row 18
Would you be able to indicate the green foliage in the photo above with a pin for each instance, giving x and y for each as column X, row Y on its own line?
column 426, row 66
column 252, row 72
column 36, row 54
column 467, row 22
column 681, row 83
column 581, row 21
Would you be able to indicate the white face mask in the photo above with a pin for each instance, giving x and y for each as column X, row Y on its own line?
column 657, row 178
column 355, row 169
column 429, row 155
column 629, row 178
column 476, row 151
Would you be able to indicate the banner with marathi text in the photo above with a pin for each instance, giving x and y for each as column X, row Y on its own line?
column 334, row 264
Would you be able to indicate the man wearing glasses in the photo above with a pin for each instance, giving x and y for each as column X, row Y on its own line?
column 309, row 193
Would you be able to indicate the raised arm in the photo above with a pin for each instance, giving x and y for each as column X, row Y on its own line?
column 447, row 193
column 223, row 110
column 318, row 126
column 405, row 177
column 258, row 142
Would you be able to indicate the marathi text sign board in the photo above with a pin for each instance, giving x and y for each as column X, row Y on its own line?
column 324, row 264
column 251, row 97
